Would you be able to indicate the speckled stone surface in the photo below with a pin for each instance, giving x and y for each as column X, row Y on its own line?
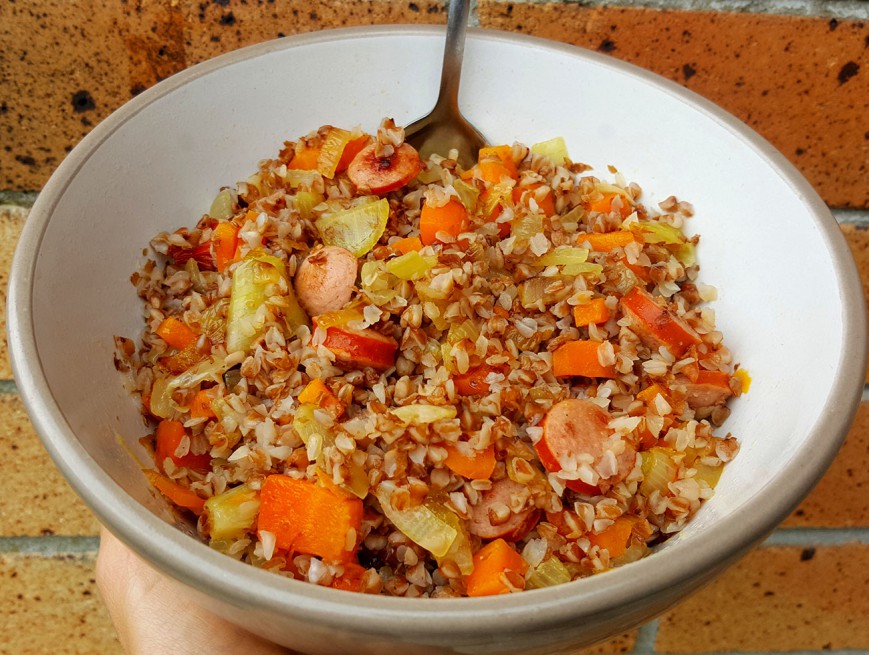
column 11, row 222
column 777, row 599
column 800, row 82
column 36, row 498
column 51, row 605
column 841, row 498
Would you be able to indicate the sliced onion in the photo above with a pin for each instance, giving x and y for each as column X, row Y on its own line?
column 659, row 470
column 423, row 414
column 162, row 405
column 419, row 524
column 548, row 573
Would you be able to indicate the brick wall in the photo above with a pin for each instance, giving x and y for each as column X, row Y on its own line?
column 797, row 71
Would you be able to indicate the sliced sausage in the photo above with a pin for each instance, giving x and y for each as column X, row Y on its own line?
column 372, row 173
column 710, row 389
column 516, row 525
column 326, row 279
column 576, row 427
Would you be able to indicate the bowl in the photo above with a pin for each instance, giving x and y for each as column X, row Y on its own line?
column 790, row 305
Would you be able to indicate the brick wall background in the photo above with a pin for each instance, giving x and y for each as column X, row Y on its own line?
column 797, row 71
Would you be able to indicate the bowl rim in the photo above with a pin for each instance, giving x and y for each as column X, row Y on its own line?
column 194, row 564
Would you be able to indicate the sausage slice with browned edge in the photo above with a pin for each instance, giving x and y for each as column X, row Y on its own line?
column 575, row 427
column 511, row 526
column 373, row 173
column 326, row 279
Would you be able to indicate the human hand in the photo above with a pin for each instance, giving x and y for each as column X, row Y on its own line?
column 153, row 615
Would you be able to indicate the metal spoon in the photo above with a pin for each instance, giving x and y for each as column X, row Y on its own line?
column 444, row 127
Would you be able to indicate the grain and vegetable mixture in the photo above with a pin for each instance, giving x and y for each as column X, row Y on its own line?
column 389, row 375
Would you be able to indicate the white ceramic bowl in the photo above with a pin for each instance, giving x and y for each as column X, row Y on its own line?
column 789, row 304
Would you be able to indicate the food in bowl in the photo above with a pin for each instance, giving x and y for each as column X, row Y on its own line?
column 395, row 376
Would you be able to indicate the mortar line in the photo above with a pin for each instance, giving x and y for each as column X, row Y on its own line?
column 808, row 537
column 646, row 637
column 839, row 9
column 859, row 217
column 49, row 545
column 820, row 651
column 18, row 198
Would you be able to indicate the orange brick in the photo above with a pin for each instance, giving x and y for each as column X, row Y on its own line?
column 784, row 75
column 842, row 496
column 777, row 599
column 36, row 498
column 50, row 605
column 67, row 65
column 11, row 222
column 858, row 240
column 215, row 28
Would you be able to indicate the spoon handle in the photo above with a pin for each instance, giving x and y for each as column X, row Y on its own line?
column 454, row 49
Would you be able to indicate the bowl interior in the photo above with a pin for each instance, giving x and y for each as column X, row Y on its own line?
column 158, row 163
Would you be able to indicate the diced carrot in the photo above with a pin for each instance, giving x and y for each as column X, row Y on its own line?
column 312, row 392
column 495, row 163
column 451, row 218
column 504, row 154
column 353, row 148
column 175, row 333
column 615, row 538
column 478, row 467
column 200, row 406
column 224, row 239
column 408, row 244
column 307, row 518
column 317, row 393
column 715, row 378
column 640, row 271
column 494, row 170
column 524, row 194
column 604, row 205
column 580, row 358
column 473, row 383
column 351, row 579
column 658, row 323
column 490, row 562
column 305, row 159
column 606, row 241
column 595, row 311
column 168, row 436
column 179, row 495
column 648, row 394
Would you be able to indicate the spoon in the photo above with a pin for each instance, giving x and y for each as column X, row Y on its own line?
column 444, row 127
